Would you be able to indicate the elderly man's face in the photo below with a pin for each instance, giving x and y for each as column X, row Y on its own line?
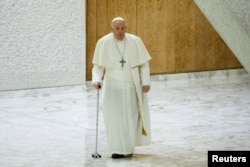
column 119, row 29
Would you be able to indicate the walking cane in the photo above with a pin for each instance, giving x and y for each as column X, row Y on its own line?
column 96, row 154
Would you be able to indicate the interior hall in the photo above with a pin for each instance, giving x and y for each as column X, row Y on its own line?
column 199, row 98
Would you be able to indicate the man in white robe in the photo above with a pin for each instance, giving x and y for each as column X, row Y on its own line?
column 123, row 60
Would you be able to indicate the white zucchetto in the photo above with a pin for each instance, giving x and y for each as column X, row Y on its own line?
column 118, row 19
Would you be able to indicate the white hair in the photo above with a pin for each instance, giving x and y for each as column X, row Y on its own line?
column 117, row 19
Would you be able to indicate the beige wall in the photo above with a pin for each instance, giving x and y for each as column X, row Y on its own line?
column 177, row 35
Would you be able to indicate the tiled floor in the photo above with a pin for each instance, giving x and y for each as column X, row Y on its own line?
column 190, row 114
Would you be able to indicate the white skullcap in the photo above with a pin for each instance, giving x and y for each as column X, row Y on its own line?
column 118, row 19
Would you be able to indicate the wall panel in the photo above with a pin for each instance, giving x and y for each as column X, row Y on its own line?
column 161, row 35
column 102, row 26
column 131, row 15
column 170, row 36
column 191, row 35
column 111, row 6
column 91, row 34
column 141, row 19
column 152, row 28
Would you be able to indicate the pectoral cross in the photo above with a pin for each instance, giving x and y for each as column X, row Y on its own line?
column 122, row 62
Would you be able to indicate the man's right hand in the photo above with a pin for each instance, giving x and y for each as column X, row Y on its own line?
column 97, row 85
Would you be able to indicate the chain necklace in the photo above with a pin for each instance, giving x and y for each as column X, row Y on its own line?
column 121, row 54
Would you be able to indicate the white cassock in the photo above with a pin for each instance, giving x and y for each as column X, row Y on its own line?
column 124, row 105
